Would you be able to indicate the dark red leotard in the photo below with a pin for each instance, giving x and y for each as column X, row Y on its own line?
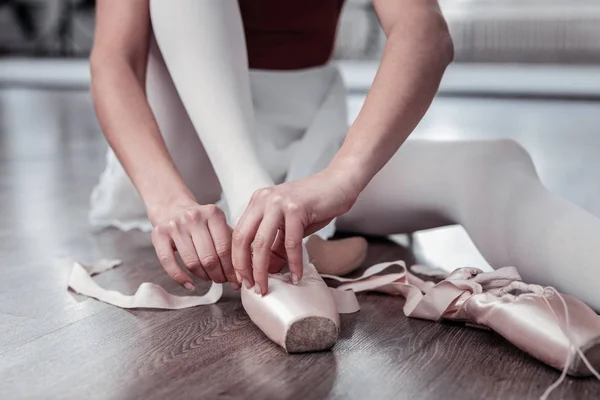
column 289, row 34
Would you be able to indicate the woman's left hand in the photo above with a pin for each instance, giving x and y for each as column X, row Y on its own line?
column 271, row 230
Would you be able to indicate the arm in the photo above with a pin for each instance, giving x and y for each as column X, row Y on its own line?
column 118, row 66
column 417, row 52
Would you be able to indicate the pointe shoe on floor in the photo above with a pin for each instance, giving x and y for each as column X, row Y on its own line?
column 300, row 318
column 336, row 257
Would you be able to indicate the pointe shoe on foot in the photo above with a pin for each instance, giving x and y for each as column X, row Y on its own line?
column 336, row 257
column 300, row 318
column 555, row 328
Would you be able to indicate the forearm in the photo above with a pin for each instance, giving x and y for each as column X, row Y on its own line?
column 203, row 45
column 415, row 57
column 132, row 132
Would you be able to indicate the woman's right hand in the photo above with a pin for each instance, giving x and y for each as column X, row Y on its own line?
column 201, row 236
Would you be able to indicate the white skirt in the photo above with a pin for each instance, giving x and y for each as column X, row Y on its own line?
column 301, row 122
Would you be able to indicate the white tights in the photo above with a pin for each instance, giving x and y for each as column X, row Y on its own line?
column 492, row 190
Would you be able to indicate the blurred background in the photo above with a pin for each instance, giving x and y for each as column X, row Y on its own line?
column 524, row 69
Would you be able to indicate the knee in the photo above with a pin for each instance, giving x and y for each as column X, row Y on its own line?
column 494, row 167
column 505, row 154
column 512, row 149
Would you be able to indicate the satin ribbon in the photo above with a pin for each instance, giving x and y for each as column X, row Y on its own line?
column 148, row 295
column 424, row 300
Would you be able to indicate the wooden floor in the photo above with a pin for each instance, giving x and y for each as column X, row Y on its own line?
column 54, row 344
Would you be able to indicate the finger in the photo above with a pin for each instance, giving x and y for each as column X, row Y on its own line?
column 207, row 253
column 241, row 240
column 188, row 254
column 294, row 232
column 166, row 256
column 261, row 249
column 221, row 237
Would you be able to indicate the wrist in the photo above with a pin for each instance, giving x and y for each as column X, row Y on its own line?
column 350, row 173
column 159, row 207
column 341, row 175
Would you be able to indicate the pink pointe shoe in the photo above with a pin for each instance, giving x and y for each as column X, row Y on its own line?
column 557, row 329
column 300, row 318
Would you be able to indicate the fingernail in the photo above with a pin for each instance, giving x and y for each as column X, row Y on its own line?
column 235, row 286
column 247, row 283
column 238, row 277
column 189, row 286
column 257, row 289
column 295, row 279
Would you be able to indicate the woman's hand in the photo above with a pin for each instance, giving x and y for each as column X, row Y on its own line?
column 279, row 217
column 202, row 238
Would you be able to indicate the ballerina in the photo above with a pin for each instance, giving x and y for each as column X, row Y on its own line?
column 187, row 106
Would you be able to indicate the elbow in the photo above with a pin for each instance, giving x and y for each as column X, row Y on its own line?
column 97, row 68
column 428, row 35
column 443, row 42
column 436, row 34
column 107, row 68
column 104, row 63
column 104, row 72
column 96, row 71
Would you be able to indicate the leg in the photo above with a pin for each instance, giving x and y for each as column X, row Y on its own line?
column 115, row 202
column 492, row 189
column 203, row 45
column 179, row 133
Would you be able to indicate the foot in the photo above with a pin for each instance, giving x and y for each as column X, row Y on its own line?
column 336, row 257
